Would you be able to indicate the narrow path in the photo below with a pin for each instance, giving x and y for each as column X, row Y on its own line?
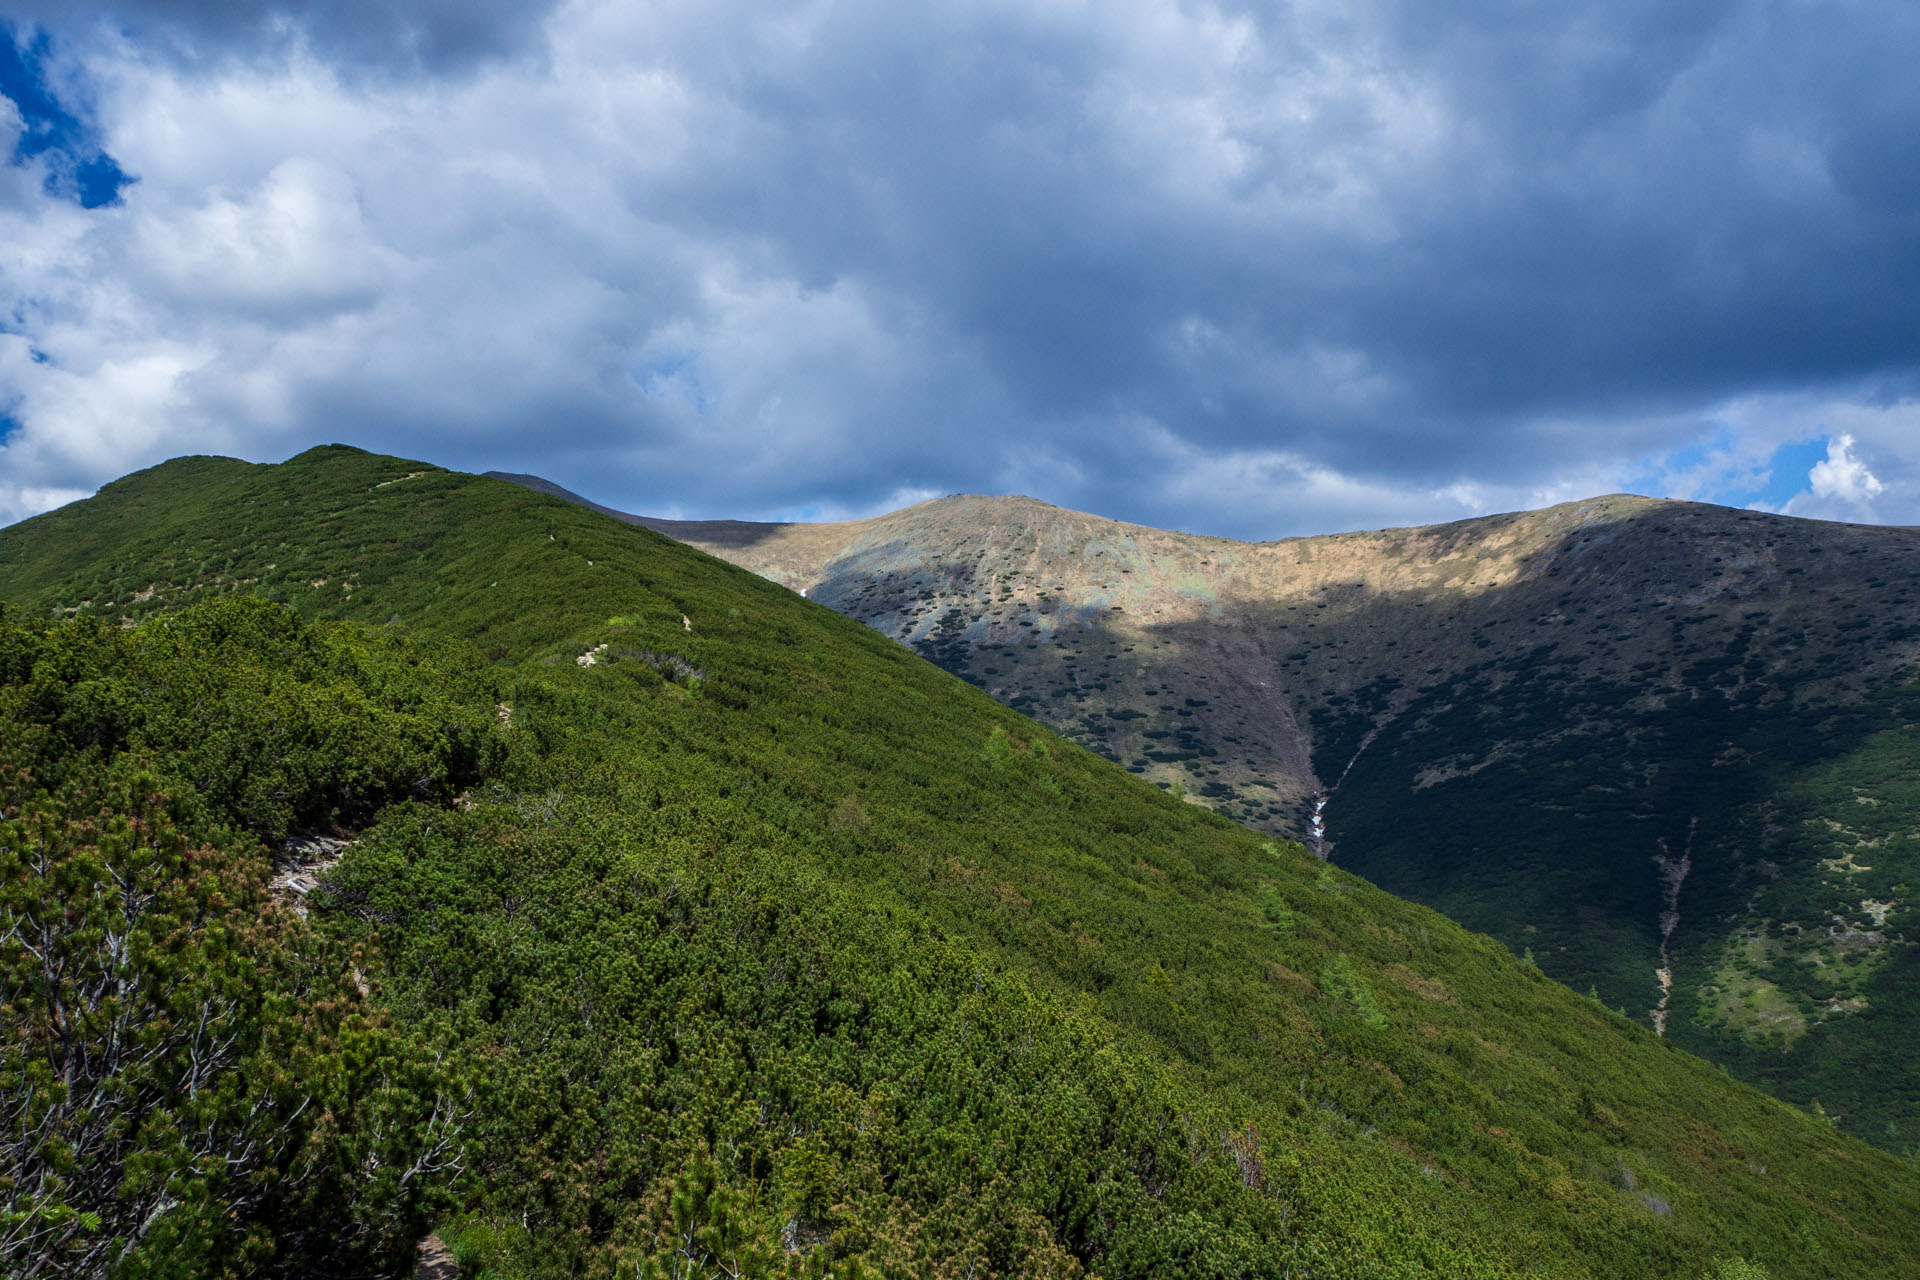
column 436, row 1261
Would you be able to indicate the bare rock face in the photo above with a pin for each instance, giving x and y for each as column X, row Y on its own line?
column 299, row 864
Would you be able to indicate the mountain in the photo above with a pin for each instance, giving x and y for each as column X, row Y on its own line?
column 1665, row 748
column 688, row 927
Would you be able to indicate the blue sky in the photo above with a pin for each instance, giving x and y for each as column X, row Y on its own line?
column 1249, row 269
column 48, row 130
column 1786, row 477
column 1822, row 475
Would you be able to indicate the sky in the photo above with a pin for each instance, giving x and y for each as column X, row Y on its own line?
column 1254, row 270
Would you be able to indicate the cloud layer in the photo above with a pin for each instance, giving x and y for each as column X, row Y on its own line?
column 1247, row 269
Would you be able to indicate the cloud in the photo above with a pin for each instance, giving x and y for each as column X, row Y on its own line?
column 1248, row 269
column 363, row 37
column 1840, row 486
column 1843, row 477
column 1288, row 491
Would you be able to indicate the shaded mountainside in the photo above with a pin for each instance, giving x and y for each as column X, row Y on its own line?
column 759, row 942
column 1661, row 746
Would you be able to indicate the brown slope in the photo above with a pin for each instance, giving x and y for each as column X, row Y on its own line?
column 1224, row 666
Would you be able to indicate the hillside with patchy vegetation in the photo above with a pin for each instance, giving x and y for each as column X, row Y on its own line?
column 686, row 927
column 1664, row 748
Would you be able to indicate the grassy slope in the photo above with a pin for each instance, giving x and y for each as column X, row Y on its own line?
column 1680, row 698
column 1372, row 1086
column 1553, row 698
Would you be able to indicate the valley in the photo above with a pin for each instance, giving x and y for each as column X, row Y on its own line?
column 1531, row 722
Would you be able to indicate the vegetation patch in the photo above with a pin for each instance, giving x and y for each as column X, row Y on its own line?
column 1739, row 1001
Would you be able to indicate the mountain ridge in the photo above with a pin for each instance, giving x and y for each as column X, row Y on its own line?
column 856, row 566
column 758, row 931
column 1526, row 720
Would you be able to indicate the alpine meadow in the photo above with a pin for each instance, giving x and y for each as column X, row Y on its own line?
column 388, row 851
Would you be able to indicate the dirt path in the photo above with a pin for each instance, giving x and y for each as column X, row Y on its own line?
column 436, row 1261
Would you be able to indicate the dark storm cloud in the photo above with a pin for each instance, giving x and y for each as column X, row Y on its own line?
column 1617, row 211
column 1687, row 231
column 1229, row 266
column 361, row 36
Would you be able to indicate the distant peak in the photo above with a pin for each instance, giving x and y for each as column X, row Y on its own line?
column 321, row 451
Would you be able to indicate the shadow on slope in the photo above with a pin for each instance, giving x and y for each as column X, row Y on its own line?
column 1581, row 763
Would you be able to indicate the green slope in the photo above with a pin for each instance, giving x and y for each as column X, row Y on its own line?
column 1584, row 817
column 1532, row 722
column 762, row 938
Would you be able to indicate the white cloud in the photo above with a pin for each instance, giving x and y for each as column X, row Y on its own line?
column 17, row 502
column 1763, row 452
column 1354, row 268
column 1262, row 494
column 1843, row 477
column 1840, row 486
column 293, row 248
column 905, row 496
